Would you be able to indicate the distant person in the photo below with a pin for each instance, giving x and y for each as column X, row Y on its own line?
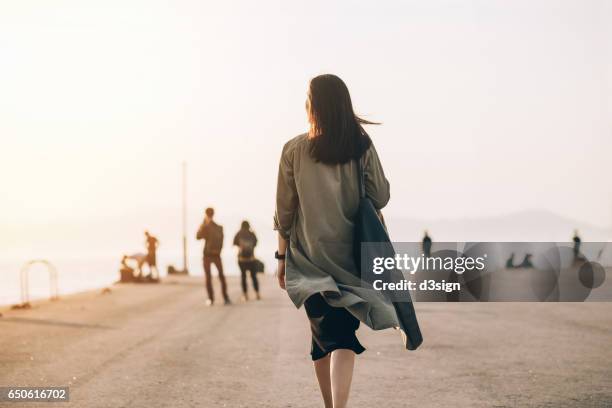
column 126, row 272
column 317, row 197
column 526, row 262
column 510, row 261
column 140, row 260
column 246, row 241
column 426, row 245
column 212, row 234
column 577, row 243
column 152, row 243
column 124, row 264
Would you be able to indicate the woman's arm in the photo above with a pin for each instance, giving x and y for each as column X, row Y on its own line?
column 282, row 249
column 376, row 184
column 286, row 193
column 286, row 206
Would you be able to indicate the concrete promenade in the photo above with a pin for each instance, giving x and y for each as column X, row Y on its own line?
column 160, row 346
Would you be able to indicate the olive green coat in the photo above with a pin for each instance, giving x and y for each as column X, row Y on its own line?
column 315, row 207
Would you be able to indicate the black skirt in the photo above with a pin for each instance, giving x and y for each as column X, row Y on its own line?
column 332, row 328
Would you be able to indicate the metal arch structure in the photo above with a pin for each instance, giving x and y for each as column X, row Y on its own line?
column 25, row 280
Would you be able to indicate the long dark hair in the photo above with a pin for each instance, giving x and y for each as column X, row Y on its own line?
column 336, row 134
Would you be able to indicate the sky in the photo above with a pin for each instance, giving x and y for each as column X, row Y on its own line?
column 487, row 108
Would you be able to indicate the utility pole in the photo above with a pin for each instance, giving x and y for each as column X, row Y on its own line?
column 185, row 218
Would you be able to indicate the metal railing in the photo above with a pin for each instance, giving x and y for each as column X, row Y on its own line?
column 25, row 281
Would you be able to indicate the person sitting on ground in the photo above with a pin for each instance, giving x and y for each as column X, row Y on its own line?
column 510, row 261
column 140, row 259
column 526, row 262
column 246, row 241
column 126, row 271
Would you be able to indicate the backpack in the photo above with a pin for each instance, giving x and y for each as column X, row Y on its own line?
column 247, row 247
column 370, row 228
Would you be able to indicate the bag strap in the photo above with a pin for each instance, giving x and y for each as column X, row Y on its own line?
column 361, row 177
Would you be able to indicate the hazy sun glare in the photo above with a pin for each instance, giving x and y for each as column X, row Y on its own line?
column 101, row 102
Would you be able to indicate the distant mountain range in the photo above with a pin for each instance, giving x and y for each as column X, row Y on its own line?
column 118, row 235
column 524, row 226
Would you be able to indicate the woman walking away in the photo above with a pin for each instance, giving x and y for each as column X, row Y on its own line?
column 317, row 200
column 246, row 241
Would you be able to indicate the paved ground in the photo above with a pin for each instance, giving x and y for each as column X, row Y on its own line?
column 159, row 346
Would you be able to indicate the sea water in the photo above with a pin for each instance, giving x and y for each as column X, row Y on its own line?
column 82, row 273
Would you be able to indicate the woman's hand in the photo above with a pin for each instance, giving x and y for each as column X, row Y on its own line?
column 280, row 273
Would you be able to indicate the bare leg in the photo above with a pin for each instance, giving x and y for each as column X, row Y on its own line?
column 321, row 367
column 342, row 363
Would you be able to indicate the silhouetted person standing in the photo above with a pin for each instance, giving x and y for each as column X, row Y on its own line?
column 577, row 242
column 152, row 243
column 246, row 241
column 427, row 245
column 212, row 234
